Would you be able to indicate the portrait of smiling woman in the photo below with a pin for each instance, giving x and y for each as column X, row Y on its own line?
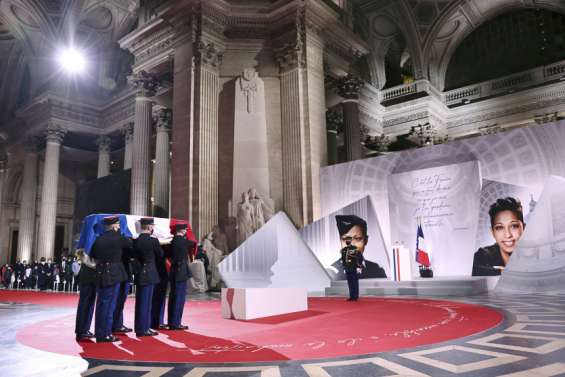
column 507, row 226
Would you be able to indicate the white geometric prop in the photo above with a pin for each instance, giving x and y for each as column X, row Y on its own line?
column 251, row 303
column 274, row 257
column 538, row 262
column 323, row 238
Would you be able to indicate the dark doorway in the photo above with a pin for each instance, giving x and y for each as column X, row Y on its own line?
column 14, row 247
column 59, row 241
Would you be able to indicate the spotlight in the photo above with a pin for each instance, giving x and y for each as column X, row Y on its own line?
column 72, row 60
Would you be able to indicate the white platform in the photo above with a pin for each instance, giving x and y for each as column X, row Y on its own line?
column 251, row 303
column 437, row 286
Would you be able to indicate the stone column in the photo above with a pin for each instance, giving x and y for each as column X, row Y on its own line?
column 104, row 143
column 194, row 164
column 161, row 168
column 141, row 163
column 26, row 229
column 334, row 122
column 303, row 123
column 128, row 141
column 349, row 87
column 48, row 208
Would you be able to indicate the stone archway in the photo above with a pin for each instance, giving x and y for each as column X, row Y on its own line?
column 459, row 20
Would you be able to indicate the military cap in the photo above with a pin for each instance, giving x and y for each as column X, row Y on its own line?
column 147, row 221
column 109, row 220
column 180, row 227
column 346, row 222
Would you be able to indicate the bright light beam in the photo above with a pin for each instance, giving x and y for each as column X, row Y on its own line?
column 72, row 60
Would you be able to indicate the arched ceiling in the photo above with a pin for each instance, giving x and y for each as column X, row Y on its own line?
column 31, row 31
column 432, row 29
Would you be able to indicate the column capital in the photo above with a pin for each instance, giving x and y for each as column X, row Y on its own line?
column 290, row 56
column 145, row 84
column 104, row 143
column 55, row 133
column 209, row 55
column 127, row 131
column 349, row 86
column 164, row 120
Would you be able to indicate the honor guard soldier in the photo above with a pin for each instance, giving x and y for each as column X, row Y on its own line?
column 123, row 292
column 353, row 236
column 160, row 295
column 107, row 251
column 87, row 296
column 146, row 250
column 180, row 273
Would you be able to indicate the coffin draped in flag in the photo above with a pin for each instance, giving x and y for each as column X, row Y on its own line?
column 422, row 256
column 93, row 226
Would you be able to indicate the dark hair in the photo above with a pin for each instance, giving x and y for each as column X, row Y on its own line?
column 506, row 204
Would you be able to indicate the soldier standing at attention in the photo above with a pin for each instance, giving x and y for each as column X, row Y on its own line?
column 87, row 296
column 353, row 236
column 160, row 295
column 107, row 251
column 123, row 292
column 146, row 250
column 180, row 273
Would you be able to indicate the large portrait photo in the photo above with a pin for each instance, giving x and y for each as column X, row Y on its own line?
column 506, row 227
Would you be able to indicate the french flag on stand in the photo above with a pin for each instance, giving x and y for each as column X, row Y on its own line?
column 92, row 227
column 422, row 256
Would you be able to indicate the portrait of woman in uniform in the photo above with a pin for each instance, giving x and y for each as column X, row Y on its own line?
column 353, row 231
column 507, row 226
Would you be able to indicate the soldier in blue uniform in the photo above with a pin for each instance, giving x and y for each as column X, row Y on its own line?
column 180, row 273
column 87, row 297
column 353, row 235
column 160, row 295
column 107, row 251
column 146, row 250
column 123, row 292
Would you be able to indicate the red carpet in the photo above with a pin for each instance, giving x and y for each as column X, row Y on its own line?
column 331, row 328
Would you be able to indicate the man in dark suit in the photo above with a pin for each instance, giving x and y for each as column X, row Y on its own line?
column 146, row 250
column 42, row 274
column 180, row 247
column 108, row 251
column 87, row 297
column 359, row 239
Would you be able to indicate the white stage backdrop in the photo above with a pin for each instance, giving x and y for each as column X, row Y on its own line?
column 522, row 157
column 445, row 200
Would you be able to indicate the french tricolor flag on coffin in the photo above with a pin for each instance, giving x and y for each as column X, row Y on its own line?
column 92, row 227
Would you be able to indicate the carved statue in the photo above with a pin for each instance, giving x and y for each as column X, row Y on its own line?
column 248, row 85
column 261, row 211
column 215, row 256
column 220, row 239
column 244, row 219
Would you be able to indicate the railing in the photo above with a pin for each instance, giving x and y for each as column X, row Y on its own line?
column 398, row 91
column 499, row 86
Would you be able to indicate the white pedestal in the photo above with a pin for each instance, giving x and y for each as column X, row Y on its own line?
column 401, row 263
column 250, row 303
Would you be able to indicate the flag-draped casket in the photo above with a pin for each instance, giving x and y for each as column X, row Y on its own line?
column 93, row 226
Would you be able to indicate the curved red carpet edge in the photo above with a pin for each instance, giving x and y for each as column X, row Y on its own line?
column 330, row 328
